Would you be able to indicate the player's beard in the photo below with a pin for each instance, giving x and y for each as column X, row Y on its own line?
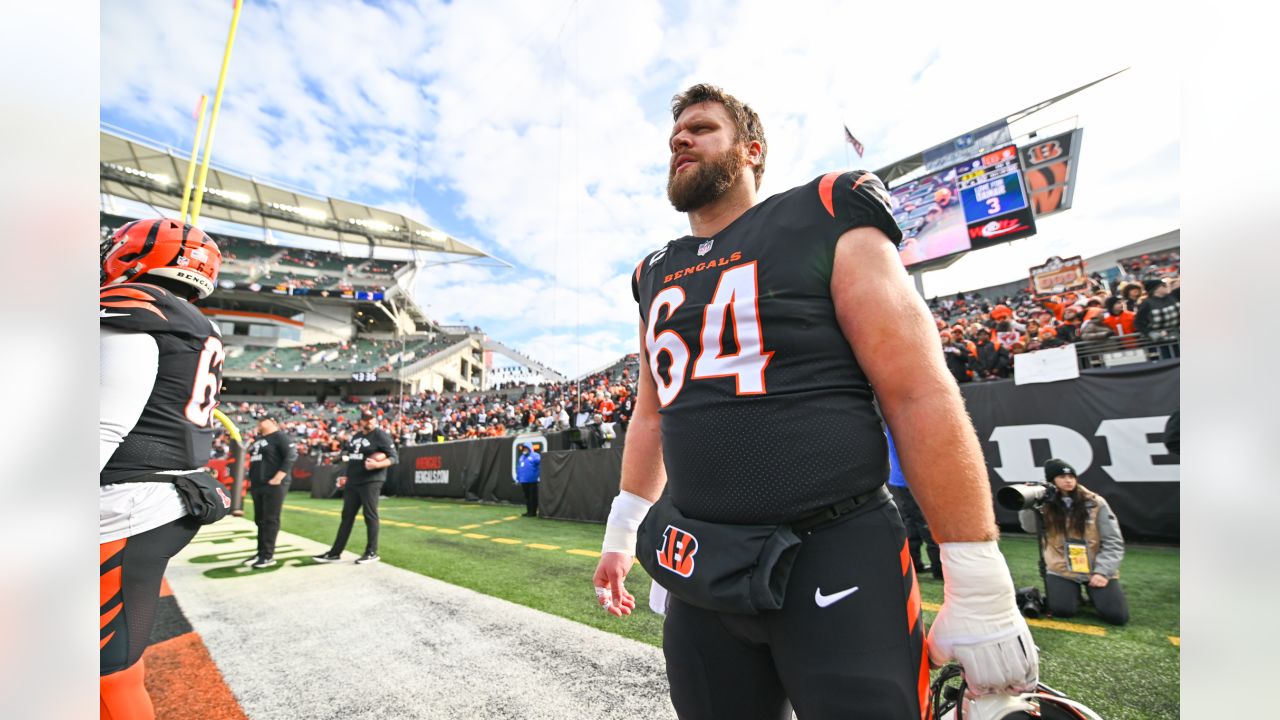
column 709, row 180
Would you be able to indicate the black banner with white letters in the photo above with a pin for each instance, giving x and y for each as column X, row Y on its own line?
column 1108, row 423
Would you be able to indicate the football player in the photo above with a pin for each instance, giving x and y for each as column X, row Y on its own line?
column 765, row 335
column 160, row 373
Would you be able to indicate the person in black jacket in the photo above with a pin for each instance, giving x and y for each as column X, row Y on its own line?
column 368, row 453
column 271, row 458
column 993, row 362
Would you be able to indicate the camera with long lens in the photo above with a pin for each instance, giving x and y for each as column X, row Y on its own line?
column 1025, row 495
column 1030, row 602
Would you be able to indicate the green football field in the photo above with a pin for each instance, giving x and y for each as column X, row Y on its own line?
column 1125, row 672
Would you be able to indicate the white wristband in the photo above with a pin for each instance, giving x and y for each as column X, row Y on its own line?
column 625, row 516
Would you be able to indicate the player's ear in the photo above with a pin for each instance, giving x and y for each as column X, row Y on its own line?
column 755, row 152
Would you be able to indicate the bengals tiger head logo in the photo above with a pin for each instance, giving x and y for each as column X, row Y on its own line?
column 678, row 548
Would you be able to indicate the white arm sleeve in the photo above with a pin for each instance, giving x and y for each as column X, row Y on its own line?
column 127, row 368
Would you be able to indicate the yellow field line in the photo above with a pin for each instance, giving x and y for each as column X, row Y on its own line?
column 1093, row 630
column 1177, row 641
column 472, row 535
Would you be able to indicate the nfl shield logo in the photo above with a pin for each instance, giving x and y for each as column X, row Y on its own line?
column 705, row 247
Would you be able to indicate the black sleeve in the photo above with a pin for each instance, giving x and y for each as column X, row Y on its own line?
column 288, row 452
column 859, row 199
column 1142, row 318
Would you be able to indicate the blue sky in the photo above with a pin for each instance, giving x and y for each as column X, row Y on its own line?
column 537, row 131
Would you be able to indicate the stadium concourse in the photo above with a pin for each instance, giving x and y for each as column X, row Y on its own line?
column 302, row 640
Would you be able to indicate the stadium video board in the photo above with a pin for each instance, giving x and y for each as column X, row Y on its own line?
column 968, row 206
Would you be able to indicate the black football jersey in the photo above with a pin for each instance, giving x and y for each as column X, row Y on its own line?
column 174, row 431
column 766, row 414
column 361, row 446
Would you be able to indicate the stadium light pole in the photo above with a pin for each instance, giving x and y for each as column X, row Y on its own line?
column 191, row 162
column 213, row 120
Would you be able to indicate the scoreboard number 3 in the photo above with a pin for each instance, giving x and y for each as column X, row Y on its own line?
column 737, row 297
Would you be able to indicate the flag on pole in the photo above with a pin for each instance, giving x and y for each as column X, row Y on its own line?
column 857, row 146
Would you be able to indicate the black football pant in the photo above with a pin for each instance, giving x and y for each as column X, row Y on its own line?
column 129, row 574
column 530, row 491
column 364, row 498
column 917, row 530
column 268, row 502
column 1062, row 595
column 828, row 653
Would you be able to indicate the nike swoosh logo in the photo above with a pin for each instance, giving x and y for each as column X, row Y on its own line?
column 825, row 600
column 104, row 314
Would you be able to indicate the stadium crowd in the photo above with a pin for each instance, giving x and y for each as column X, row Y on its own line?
column 600, row 403
column 981, row 336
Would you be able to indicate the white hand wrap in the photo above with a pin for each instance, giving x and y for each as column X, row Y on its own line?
column 624, row 519
column 979, row 625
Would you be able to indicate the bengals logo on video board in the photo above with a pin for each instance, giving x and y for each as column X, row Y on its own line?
column 678, row 548
column 1050, row 171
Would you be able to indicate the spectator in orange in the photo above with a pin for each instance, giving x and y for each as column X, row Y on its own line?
column 1118, row 316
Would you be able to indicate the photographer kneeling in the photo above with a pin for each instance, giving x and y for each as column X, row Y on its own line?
column 1082, row 546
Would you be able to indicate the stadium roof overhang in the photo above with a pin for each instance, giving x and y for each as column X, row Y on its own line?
column 137, row 170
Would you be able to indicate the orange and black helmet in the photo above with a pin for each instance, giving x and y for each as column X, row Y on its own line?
column 161, row 247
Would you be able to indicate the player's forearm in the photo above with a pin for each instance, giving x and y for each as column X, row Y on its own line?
column 642, row 471
column 943, row 462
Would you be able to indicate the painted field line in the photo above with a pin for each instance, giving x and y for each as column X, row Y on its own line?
column 1177, row 641
column 474, row 536
column 469, row 527
column 1092, row 630
column 584, row 553
column 507, row 541
column 540, row 546
column 448, row 531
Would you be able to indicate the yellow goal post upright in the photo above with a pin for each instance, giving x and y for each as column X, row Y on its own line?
column 238, row 466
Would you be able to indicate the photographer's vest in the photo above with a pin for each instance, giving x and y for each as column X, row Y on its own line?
column 1055, row 540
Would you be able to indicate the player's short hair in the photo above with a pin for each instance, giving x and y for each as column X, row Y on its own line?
column 746, row 123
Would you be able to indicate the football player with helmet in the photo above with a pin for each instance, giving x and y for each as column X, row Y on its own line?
column 768, row 335
column 160, row 372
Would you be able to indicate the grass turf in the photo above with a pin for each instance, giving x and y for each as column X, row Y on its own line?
column 1127, row 673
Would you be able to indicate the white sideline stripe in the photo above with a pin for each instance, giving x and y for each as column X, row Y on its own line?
column 341, row 641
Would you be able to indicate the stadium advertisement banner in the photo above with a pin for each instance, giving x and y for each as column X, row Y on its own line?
column 579, row 484
column 1051, row 166
column 285, row 289
column 1057, row 276
column 1107, row 423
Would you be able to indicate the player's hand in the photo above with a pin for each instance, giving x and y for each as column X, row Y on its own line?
column 342, row 481
column 1098, row 581
column 374, row 461
column 275, row 481
column 608, row 581
column 979, row 625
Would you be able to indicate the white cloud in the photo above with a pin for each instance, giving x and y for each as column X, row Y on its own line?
column 547, row 122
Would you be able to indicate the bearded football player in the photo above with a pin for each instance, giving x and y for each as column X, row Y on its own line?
column 160, row 373
column 754, row 469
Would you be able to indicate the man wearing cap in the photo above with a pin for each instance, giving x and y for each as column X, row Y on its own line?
column 368, row 454
column 271, row 458
column 1082, row 546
